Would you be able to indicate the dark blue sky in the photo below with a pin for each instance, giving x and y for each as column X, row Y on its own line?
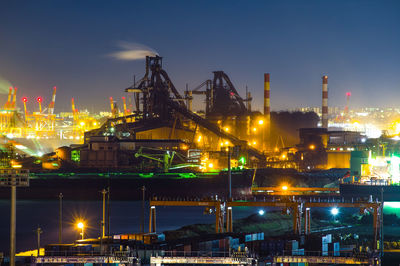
column 67, row 43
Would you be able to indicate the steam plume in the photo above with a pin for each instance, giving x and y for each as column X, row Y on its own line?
column 4, row 86
column 133, row 51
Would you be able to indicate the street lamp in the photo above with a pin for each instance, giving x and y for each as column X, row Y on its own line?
column 81, row 226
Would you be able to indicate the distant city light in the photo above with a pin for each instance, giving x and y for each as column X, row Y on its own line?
column 21, row 147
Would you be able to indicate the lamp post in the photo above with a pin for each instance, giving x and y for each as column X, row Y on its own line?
column 229, row 173
column 143, row 207
column 81, row 226
column 60, row 197
column 13, row 177
column 335, row 212
column 103, row 221
column 38, row 232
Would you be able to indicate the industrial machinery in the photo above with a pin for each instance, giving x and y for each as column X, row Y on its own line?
column 162, row 103
column 161, row 113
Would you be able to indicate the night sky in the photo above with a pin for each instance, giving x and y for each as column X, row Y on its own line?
column 68, row 44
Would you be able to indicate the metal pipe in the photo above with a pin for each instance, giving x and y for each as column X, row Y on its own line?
column 325, row 102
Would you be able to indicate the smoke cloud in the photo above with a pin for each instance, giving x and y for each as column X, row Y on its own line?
column 4, row 86
column 133, row 51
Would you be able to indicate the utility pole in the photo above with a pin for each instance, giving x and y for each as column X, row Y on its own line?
column 103, row 221
column 229, row 172
column 38, row 232
column 143, row 209
column 381, row 222
column 13, row 178
column 108, row 211
column 60, row 207
column 13, row 221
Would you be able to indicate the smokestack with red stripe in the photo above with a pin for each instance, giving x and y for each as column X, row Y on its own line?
column 267, row 112
column 53, row 100
column 267, row 107
column 325, row 102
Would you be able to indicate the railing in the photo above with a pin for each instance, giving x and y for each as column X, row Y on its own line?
column 347, row 254
column 201, row 257
column 273, row 199
column 370, row 182
column 82, row 253
column 172, row 253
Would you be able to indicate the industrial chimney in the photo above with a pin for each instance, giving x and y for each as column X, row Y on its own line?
column 325, row 102
column 267, row 112
column 267, row 108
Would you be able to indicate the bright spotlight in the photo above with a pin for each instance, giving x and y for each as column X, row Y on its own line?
column 261, row 212
column 334, row 211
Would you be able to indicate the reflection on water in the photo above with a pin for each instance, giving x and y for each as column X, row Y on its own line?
column 125, row 217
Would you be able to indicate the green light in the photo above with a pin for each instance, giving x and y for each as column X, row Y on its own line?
column 75, row 155
column 242, row 160
column 148, row 175
column 187, row 175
